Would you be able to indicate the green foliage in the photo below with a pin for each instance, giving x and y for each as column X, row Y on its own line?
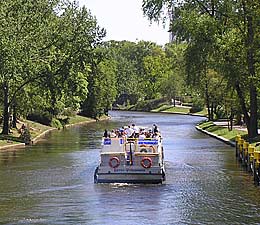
column 69, row 112
column 56, row 123
column 222, row 38
column 148, row 105
column 46, row 54
column 198, row 105
column 43, row 117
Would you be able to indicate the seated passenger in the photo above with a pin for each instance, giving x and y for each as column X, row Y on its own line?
column 112, row 134
column 148, row 134
column 156, row 135
column 136, row 131
column 105, row 134
column 142, row 136
column 129, row 131
column 155, row 129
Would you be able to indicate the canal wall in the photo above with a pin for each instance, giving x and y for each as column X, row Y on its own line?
column 225, row 140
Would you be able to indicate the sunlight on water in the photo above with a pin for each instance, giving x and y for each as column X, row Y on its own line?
column 52, row 182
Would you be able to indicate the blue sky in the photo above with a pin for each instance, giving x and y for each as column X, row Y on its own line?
column 124, row 20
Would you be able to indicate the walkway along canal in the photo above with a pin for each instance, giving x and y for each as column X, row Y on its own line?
column 52, row 182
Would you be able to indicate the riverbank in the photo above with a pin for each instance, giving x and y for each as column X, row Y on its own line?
column 220, row 131
column 37, row 131
column 169, row 109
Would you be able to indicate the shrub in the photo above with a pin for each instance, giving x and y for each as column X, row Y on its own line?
column 69, row 112
column 198, row 105
column 64, row 121
column 56, row 123
column 41, row 117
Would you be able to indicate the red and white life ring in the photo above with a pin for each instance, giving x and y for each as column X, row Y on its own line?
column 146, row 162
column 114, row 162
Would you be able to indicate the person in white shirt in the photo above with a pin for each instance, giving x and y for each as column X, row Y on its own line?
column 129, row 131
column 136, row 130
column 142, row 135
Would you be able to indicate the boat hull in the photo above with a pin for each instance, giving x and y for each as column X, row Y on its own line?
column 130, row 177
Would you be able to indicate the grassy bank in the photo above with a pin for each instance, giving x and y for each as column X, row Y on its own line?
column 15, row 135
column 178, row 109
column 36, row 129
column 160, row 105
column 222, row 130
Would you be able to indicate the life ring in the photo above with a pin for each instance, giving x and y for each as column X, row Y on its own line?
column 114, row 162
column 146, row 147
column 146, row 162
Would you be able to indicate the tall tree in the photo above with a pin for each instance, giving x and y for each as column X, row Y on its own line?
column 22, row 26
column 234, row 19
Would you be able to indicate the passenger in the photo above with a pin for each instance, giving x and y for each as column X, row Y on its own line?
column 129, row 132
column 156, row 135
column 155, row 129
column 112, row 134
column 142, row 135
column 105, row 134
column 148, row 134
column 136, row 130
column 118, row 133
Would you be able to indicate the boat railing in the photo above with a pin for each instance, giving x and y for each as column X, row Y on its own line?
column 120, row 145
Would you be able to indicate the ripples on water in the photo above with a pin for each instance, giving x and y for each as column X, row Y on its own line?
column 52, row 182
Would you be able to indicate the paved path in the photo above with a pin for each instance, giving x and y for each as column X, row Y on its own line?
column 225, row 124
column 238, row 127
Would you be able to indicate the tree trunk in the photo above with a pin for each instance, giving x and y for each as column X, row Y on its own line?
column 207, row 102
column 252, row 131
column 14, row 121
column 212, row 111
column 6, row 109
column 243, row 106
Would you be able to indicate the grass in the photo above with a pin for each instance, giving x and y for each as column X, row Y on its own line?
column 178, row 109
column 222, row 131
column 79, row 119
column 14, row 136
column 36, row 129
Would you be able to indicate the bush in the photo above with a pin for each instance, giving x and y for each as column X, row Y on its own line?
column 148, row 105
column 41, row 117
column 69, row 112
column 64, row 121
column 56, row 123
column 198, row 105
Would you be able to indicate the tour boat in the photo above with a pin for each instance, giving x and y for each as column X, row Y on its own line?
column 131, row 160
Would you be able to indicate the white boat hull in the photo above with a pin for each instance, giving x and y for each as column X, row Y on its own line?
column 146, row 176
column 130, row 161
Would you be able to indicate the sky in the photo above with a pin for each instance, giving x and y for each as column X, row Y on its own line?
column 124, row 20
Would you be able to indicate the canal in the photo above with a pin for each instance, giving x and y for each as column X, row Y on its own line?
column 52, row 182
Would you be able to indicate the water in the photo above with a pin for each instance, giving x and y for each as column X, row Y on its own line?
column 52, row 182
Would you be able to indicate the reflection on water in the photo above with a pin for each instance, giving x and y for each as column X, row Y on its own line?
column 52, row 182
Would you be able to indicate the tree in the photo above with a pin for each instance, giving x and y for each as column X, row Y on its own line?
column 226, row 18
column 173, row 83
column 45, row 49
column 156, row 67
column 22, row 26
